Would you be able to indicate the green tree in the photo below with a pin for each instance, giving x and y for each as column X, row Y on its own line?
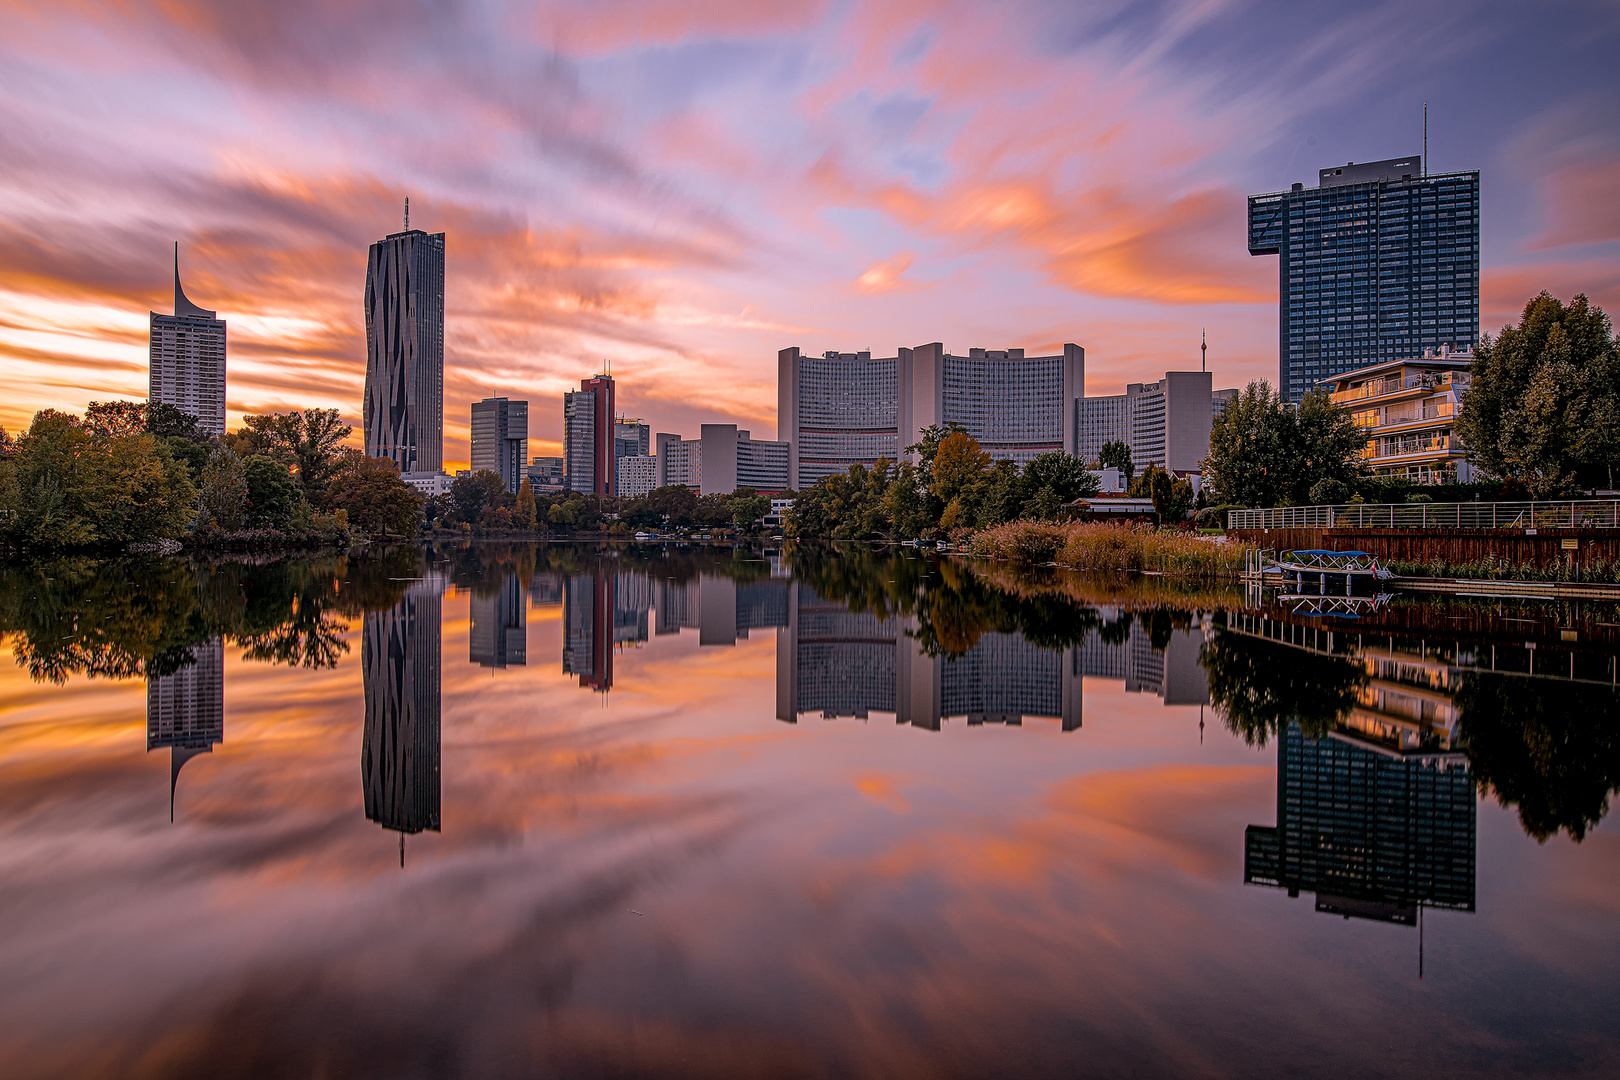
column 1262, row 452
column 274, row 497
column 1116, row 454
column 747, row 507
column 110, row 419
column 376, row 499
column 524, row 514
column 1053, row 479
column 223, row 492
column 472, row 493
column 1543, row 406
column 309, row 442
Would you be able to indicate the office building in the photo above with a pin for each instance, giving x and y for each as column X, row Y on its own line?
column 498, row 636
column 638, row 474
column 841, row 409
column 1408, row 410
column 500, row 439
column 680, row 461
column 588, row 437
column 1379, row 261
column 547, row 475
column 722, row 459
column 631, row 438
column 403, row 411
column 1165, row 423
column 399, row 752
column 185, row 710
column 1220, row 399
column 186, row 360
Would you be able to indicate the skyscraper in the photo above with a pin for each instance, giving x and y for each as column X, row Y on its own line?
column 404, row 404
column 186, row 360
column 588, row 437
column 500, row 438
column 1378, row 262
column 498, row 636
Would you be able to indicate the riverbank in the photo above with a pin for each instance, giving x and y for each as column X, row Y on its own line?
column 1080, row 545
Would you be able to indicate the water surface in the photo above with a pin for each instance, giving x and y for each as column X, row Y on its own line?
column 573, row 811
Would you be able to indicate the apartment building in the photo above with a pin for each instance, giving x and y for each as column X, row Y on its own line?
column 1409, row 409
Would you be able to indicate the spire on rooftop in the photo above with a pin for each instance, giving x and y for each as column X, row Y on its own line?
column 184, row 308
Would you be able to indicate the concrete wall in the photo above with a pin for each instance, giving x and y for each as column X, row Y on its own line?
column 719, row 458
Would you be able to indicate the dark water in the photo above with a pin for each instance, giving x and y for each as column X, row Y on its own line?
column 526, row 811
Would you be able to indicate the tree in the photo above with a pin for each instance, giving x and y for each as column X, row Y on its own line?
column 1264, row 453
column 747, row 509
column 274, row 498
column 1543, row 405
column 310, row 442
column 1053, row 479
column 223, row 494
column 1116, row 454
column 525, row 512
column 471, row 494
column 171, row 422
column 959, row 462
column 376, row 499
column 113, row 418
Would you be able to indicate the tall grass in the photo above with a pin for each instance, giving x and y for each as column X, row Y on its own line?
column 1101, row 546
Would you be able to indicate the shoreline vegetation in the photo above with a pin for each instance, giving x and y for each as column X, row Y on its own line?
column 1105, row 546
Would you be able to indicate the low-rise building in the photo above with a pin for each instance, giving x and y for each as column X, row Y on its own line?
column 430, row 485
column 1408, row 410
column 547, row 475
column 722, row 460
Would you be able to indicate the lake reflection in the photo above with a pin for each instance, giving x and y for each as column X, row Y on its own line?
column 688, row 812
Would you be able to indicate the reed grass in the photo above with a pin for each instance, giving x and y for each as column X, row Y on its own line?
column 1103, row 546
column 1595, row 570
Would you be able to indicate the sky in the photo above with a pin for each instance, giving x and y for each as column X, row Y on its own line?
column 679, row 189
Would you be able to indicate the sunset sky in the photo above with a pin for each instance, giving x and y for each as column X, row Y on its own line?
column 683, row 188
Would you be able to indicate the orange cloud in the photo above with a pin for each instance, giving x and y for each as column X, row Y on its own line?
column 884, row 276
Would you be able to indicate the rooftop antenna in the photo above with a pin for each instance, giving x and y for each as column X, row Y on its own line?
column 1425, row 169
column 408, row 211
column 1203, row 351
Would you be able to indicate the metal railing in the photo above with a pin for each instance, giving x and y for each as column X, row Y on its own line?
column 1561, row 514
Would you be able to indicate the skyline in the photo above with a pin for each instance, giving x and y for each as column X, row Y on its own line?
column 685, row 190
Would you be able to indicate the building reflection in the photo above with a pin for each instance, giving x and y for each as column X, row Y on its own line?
column 399, row 757
column 1376, row 810
column 185, row 710
column 497, row 637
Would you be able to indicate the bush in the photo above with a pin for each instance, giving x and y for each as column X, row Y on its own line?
column 1214, row 517
column 1100, row 546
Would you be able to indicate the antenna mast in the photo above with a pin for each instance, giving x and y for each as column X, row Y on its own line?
column 408, row 211
column 1425, row 138
column 1203, row 350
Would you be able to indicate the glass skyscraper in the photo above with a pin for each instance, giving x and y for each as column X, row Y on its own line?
column 1377, row 262
column 404, row 403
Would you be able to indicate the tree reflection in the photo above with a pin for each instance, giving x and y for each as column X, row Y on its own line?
column 1549, row 747
column 130, row 618
column 1258, row 686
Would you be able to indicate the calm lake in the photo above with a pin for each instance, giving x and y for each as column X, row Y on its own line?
column 646, row 811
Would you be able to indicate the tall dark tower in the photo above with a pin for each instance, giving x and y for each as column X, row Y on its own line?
column 399, row 756
column 403, row 411
column 1379, row 261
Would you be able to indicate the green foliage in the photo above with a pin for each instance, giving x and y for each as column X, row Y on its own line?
column 274, row 497
column 1544, row 404
column 473, row 493
column 223, row 494
column 1117, row 455
column 1214, row 517
column 1263, row 453
column 1172, row 498
column 524, row 513
column 1051, row 480
column 309, row 442
column 375, row 499
column 66, row 485
column 1261, row 686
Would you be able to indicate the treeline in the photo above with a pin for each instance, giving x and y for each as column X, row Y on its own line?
column 129, row 473
column 951, row 489
column 481, row 503
column 1541, row 419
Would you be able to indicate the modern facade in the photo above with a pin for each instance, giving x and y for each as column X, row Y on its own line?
column 403, row 411
column 722, row 459
column 186, row 360
column 399, row 755
column 638, row 474
column 1409, row 410
column 500, row 438
column 679, row 461
column 185, row 710
column 588, row 437
column 1379, row 261
column 547, row 475
column 1165, row 423
column 842, row 409
column 631, row 438
column 1220, row 399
